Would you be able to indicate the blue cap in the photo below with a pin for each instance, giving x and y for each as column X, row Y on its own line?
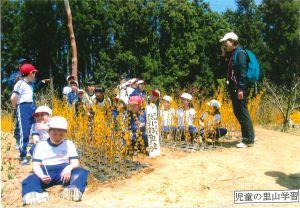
column 22, row 61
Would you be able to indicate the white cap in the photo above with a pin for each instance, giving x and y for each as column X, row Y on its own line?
column 214, row 103
column 80, row 90
column 75, row 82
column 133, row 80
column 58, row 122
column 140, row 82
column 186, row 96
column 167, row 98
column 43, row 109
column 231, row 36
column 68, row 77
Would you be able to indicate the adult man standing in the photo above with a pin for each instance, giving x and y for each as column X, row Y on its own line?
column 238, row 85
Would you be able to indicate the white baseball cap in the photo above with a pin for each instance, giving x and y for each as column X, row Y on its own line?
column 214, row 103
column 43, row 109
column 167, row 98
column 80, row 91
column 58, row 122
column 74, row 82
column 140, row 82
column 231, row 36
column 133, row 80
column 70, row 76
column 186, row 96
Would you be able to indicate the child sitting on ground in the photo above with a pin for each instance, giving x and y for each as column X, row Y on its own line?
column 167, row 115
column 55, row 162
column 119, row 115
column 137, row 119
column 186, row 117
column 81, row 107
column 210, row 123
column 153, row 98
column 40, row 129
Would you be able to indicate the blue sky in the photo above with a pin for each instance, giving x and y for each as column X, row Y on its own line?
column 222, row 5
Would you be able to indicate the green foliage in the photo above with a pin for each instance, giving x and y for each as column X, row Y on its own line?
column 282, row 37
column 170, row 44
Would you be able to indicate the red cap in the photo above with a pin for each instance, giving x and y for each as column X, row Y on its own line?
column 27, row 68
column 155, row 93
column 136, row 100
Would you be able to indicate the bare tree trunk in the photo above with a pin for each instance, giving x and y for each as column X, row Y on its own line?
column 284, row 99
column 72, row 40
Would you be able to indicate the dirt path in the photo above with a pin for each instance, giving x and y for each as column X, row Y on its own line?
column 206, row 178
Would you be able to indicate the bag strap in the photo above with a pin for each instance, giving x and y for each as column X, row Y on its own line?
column 237, row 51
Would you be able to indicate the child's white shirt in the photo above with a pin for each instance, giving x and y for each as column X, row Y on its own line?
column 43, row 134
column 217, row 118
column 50, row 154
column 167, row 117
column 24, row 90
column 66, row 90
column 211, row 119
column 186, row 117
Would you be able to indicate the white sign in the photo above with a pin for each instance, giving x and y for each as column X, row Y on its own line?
column 152, row 130
column 266, row 196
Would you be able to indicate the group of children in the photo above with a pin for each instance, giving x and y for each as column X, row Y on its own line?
column 55, row 159
column 130, row 101
column 209, row 123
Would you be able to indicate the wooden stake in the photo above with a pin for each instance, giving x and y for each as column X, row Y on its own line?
column 72, row 40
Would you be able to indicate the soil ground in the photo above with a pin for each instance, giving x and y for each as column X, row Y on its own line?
column 181, row 179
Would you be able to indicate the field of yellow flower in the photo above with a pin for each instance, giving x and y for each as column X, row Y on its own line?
column 104, row 143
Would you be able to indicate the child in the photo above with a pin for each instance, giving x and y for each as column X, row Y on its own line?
column 132, row 89
column 121, row 89
column 119, row 114
column 72, row 95
column 80, row 106
column 40, row 128
column 22, row 100
column 55, row 162
column 101, row 100
column 137, row 119
column 167, row 114
column 67, row 88
column 153, row 98
column 186, row 117
column 89, row 96
column 120, row 104
column 141, row 87
column 211, row 130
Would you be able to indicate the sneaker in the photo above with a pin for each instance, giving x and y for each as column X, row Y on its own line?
column 35, row 198
column 71, row 194
column 24, row 161
column 243, row 145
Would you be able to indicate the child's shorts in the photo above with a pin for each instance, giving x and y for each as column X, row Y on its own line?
column 168, row 129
